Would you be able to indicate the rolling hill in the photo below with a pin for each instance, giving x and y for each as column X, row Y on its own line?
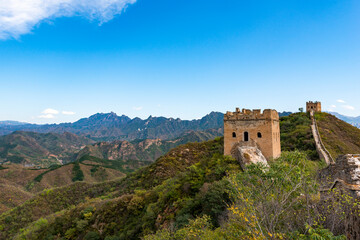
column 45, row 149
column 96, row 163
column 355, row 121
column 40, row 149
column 106, row 200
column 144, row 150
column 190, row 181
column 18, row 183
column 338, row 136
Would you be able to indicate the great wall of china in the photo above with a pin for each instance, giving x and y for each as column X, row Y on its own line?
column 320, row 147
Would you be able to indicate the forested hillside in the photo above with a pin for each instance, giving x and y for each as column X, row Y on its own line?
column 192, row 192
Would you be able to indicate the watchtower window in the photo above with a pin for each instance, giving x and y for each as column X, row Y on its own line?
column 234, row 134
column 246, row 136
column 259, row 135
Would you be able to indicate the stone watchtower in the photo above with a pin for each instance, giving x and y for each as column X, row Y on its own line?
column 262, row 128
column 313, row 106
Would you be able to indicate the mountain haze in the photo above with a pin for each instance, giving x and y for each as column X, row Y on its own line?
column 355, row 121
column 143, row 150
column 109, row 126
column 41, row 149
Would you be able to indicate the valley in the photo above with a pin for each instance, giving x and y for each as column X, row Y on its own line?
column 108, row 186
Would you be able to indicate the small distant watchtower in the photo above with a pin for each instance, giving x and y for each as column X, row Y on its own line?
column 246, row 125
column 313, row 106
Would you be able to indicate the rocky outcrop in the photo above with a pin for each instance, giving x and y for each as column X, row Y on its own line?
column 141, row 150
column 248, row 153
column 345, row 174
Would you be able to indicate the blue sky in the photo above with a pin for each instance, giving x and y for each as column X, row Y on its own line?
column 176, row 58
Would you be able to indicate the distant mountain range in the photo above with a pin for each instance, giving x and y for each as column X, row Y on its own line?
column 11, row 123
column 355, row 121
column 109, row 127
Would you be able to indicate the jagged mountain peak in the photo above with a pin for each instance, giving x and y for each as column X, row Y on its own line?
column 110, row 126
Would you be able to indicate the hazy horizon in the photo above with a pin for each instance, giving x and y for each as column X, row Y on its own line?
column 64, row 61
column 144, row 118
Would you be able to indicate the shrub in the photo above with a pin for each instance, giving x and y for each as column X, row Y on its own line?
column 78, row 175
column 92, row 236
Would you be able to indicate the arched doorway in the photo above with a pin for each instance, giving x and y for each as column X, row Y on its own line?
column 246, row 136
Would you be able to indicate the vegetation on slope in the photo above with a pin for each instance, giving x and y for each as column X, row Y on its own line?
column 40, row 149
column 338, row 136
column 186, row 194
column 57, row 176
column 296, row 134
column 18, row 184
column 167, row 185
column 147, row 150
column 280, row 202
column 11, row 195
column 193, row 183
column 48, row 202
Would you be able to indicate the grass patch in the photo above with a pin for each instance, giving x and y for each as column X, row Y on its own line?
column 124, row 166
column 338, row 136
column 41, row 175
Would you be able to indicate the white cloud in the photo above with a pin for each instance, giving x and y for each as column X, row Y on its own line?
column 18, row 17
column 137, row 108
column 348, row 107
column 47, row 116
column 50, row 111
column 340, row 101
column 68, row 113
column 333, row 106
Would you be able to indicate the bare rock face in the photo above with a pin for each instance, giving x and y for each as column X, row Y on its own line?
column 248, row 153
column 345, row 173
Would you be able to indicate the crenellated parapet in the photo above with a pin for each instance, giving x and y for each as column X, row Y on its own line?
column 256, row 114
column 313, row 106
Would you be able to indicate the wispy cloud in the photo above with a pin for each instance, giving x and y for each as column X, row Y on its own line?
column 137, row 108
column 333, row 106
column 47, row 116
column 348, row 107
column 18, row 17
column 68, row 113
column 50, row 111
column 340, row 101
